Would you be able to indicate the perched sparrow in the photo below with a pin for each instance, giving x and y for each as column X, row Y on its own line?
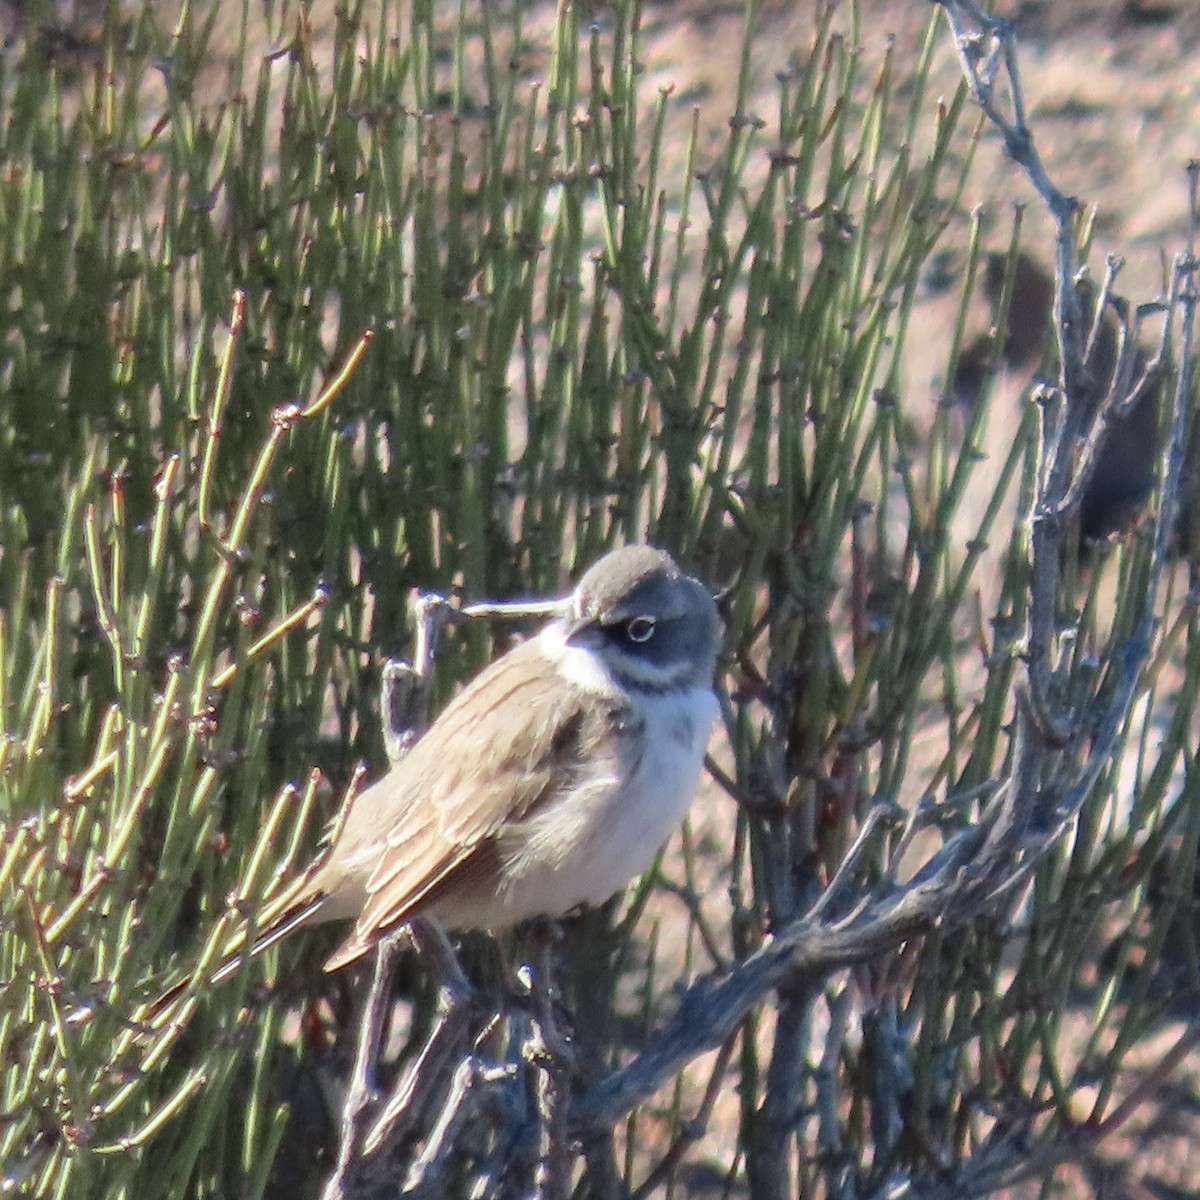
column 549, row 782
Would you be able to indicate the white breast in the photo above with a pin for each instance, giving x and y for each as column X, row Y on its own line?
column 593, row 842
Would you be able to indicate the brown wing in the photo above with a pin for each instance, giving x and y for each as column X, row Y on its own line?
column 515, row 734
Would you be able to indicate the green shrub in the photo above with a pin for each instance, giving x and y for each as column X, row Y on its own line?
column 575, row 341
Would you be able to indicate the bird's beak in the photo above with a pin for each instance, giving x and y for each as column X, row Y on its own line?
column 572, row 622
column 574, row 627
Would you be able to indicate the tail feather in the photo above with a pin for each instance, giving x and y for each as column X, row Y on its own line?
column 286, row 922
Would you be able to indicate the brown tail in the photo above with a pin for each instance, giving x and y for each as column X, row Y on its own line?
column 287, row 922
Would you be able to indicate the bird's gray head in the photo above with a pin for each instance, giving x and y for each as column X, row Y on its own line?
column 654, row 626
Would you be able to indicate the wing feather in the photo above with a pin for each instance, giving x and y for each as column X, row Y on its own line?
column 523, row 732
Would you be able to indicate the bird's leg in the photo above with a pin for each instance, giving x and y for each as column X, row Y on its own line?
column 438, row 958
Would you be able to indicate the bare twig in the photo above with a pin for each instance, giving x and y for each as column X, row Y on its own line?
column 880, row 815
column 461, row 1100
column 404, row 702
column 768, row 1152
column 361, row 1091
column 987, row 52
column 418, row 1089
column 547, row 1053
column 957, row 883
column 693, row 1130
column 829, row 1126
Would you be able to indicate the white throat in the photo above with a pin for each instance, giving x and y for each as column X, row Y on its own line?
column 576, row 664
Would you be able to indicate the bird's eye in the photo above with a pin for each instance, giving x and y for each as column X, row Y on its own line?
column 639, row 629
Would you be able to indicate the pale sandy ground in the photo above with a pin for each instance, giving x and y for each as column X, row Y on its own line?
column 1113, row 90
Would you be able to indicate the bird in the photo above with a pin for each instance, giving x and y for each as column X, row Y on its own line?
column 552, row 779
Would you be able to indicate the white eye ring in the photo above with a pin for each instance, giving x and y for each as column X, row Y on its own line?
column 639, row 629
